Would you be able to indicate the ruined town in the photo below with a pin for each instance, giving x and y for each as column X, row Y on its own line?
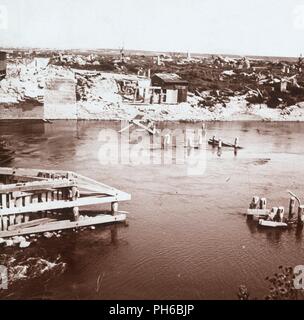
column 118, row 85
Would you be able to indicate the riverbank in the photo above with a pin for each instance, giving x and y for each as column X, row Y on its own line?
column 236, row 109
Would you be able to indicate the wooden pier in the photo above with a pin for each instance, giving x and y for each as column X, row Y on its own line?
column 35, row 201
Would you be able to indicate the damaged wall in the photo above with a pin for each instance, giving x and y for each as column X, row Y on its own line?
column 2, row 64
column 60, row 98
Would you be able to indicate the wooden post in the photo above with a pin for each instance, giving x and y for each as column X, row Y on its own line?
column 19, row 217
column 236, row 142
column 27, row 200
column 166, row 141
column 273, row 213
column 254, row 203
column 263, row 203
column 4, row 223
column 11, row 202
column 135, row 95
column 220, row 144
column 292, row 204
column 114, row 208
column 4, row 206
column 50, row 196
column 189, row 143
column 76, row 213
column 200, row 140
column 75, row 196
column 3, row 201
column 301, row 215
column 43, row 197
column 281, row 211
column 213, row 141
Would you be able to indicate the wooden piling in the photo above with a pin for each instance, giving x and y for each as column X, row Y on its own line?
column 273, row 213
column 189, row 143
column 254, row 203
column 213, row 141
column 19, row 217
column 236, row 142
column 27, row 201
column 167, row 140
column 200, row 141
column 220, row 144
column 49, row 196
column 76, row 213
column 4, row 223
column 292, row 205
column 263, row 203
column 75, row 196
column 114, row 208
column 301, row 215
column 11, row 202
column 281, row 211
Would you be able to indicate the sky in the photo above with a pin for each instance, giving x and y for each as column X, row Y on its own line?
column 245, row 27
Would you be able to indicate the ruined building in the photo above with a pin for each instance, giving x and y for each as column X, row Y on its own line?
column 2, row 65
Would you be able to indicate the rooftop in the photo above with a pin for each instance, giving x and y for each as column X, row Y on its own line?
column 169, row 77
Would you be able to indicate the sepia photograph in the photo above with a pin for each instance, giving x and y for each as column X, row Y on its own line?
column 151, row 151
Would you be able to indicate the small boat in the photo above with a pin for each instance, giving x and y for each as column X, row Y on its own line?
column 272, row 224
column 215, row 142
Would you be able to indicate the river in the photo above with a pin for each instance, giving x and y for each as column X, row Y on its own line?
column 187, row 236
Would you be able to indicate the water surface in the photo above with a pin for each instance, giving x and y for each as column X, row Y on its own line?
column 187, row 236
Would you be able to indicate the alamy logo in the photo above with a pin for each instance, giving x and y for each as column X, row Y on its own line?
column 3, row 278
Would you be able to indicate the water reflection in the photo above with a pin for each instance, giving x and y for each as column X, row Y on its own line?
column 274, row 235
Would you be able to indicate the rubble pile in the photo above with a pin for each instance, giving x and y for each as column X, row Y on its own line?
column 267, row 88
column 95, row 87
column 24, row 83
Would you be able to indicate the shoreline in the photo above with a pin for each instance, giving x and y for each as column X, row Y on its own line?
column 236, row 110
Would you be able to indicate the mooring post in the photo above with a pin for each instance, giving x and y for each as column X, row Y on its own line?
column 114, row 208
column 301, row 215
column 263, row 203
column 292, row 205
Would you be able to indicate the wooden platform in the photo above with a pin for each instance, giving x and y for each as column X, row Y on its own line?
column 27, row 196
column 258, row 212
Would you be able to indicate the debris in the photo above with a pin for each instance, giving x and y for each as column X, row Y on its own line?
column 24, row 244
column 9, row 243
column 48, row 235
